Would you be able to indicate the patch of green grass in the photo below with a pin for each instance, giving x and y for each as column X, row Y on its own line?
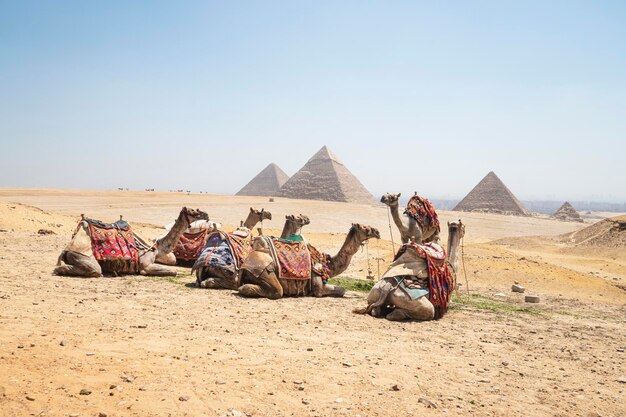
column 351, row 284
column 480, row 302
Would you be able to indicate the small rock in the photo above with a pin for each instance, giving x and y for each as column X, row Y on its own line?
column 101, row 414
column 29, row 398
column 20, row 346
column 484, row 380
column 183, row 398
column 309, row 349
column 112, row 386
column 622, row 379
column 339, row 400
column 347, row 364
column 84, row 391
column 297, row 382
column 531, row 298
column 128, row 378
column 236, row 413
column 499, row 294
column 517, row 288
column 505, row 363
column 220, row 381
column 426, row 402
column 396, row 387
column 63, row 342
column 142, row 326
column 306, row 402
column 74, row 415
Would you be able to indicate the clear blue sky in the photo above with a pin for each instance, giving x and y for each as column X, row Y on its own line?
column 425, row 96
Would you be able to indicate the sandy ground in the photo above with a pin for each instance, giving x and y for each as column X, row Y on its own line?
column 159, row 347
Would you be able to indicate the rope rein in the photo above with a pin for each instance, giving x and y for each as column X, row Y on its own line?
column 463, row 264
column 393, row 246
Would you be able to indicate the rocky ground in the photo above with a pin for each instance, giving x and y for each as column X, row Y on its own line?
column 140, row 346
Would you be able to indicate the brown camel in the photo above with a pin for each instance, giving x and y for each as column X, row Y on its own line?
column 387, row 299
column 409, row 228
column 220, row 276
column 259, row 273
column 78, row 259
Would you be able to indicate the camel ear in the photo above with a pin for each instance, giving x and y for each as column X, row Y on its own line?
column 251, row 209
column 399, row 194
column 448, row 224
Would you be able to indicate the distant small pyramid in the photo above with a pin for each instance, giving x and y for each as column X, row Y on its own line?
column 324, row 177
column 266, row 182
column 490, row 195
column 567, row 213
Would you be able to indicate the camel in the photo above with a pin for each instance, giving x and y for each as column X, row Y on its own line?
column 78, row 259
column 260, row 276
column 215, row 277
column 411, row 228
column 387, row 299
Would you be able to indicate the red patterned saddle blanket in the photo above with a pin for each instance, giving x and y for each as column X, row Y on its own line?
column 190, row 245
column 113, row 242
column 420, row 209
column 320, row 263
column 293, row 259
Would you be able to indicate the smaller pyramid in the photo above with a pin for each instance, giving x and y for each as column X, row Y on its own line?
column 266, row 182
column 567, row 213
column 324, row 177
column 490, row 195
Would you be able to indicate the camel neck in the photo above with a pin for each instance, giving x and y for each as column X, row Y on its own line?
column 397, row 219
column 340, row 262
column 289, row 229
column 454, row 241
column 167, row 243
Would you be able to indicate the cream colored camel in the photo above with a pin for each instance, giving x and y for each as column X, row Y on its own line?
column 259, row 273
column 214, row 277
column 77, row 258
column 389, row 300
column 409, row 228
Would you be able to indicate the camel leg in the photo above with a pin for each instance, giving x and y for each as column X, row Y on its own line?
column 77, row 264
column 157, row 270
column 217, row 279
column 267, row 285
column 398, row 314
column 320, row 290
column 169, row 259
column 420, row 309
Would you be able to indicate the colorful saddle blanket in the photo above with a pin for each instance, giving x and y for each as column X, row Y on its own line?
column 293, row 258
column 190, row 245
column 114, row 242
column 320, row 263
column 420, row 209
column 440, row 279
column 224, row 250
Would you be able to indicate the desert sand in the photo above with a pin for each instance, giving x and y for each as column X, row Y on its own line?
column 142, row 346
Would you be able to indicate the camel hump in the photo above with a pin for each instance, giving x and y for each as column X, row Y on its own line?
column 257, row 262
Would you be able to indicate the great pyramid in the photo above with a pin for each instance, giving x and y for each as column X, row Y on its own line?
column 491, row 196
column 324, row 177
column 266, row 182
column 567, row 213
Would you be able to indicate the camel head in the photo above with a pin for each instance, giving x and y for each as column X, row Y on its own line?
column 363, row 232
column 454, row 228
column 261, row 214
column 193, row 214
column 302, row 220
column 390, row 199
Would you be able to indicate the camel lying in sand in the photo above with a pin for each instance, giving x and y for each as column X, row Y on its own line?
column 389, row 299
column 214, row 274
column 421, row 228
column 260, row 276
column 78, row 258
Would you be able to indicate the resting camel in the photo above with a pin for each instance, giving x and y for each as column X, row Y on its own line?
column 78, row 259
column 388, row 300
column 215, row 277
column 409, row 229
column 259, row 273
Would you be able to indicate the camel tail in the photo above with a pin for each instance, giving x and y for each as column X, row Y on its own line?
column 360, row 310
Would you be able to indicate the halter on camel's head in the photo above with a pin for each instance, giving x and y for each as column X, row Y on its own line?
column 459, row 227
column 369, row 231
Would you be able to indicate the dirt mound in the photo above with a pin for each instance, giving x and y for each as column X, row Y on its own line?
column 608, row 232
column 25, row 218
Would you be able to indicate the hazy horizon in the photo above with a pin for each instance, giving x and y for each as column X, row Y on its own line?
column 410, row 96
